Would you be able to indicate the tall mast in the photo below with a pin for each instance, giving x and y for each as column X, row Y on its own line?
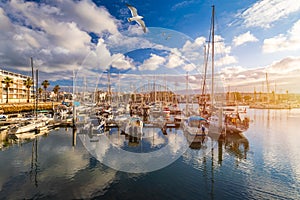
column 32, row 76
column 119, row 89
column 187, row 95
column 268, row 88
column 36, row 94
column 74, row 109
column 203, row 96
column 109, row 87
column 212, row 55
column 165, row 89
column 154, row 89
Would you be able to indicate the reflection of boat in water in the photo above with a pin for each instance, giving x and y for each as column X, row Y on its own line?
column 237, row 144
column 215, row 124
column 134, row 127
column 94, row 126
column 199, row 142
column 133, row 141
column 194, row 128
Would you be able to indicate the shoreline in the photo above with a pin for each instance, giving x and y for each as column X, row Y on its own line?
column 11, row 108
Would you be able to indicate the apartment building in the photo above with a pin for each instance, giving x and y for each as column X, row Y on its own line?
column 17, row 92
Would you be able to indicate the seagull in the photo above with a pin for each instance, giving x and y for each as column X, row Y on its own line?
column 136, row 17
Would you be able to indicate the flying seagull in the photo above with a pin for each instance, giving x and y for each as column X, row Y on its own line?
column 136, row 17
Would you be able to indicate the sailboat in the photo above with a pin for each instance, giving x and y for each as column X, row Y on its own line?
column 219, row 121
column 199, row 125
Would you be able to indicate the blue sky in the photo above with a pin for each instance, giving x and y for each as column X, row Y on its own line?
column 252, row 38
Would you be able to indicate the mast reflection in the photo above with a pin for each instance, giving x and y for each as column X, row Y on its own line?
column 34, row 162
column 236, row 145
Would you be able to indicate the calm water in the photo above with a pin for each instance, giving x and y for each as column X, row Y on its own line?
column 263, row 163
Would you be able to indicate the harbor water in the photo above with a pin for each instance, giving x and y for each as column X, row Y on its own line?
column 261, row 163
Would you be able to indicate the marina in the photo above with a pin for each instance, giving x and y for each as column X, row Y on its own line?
column 58, row 165
column 139, row 100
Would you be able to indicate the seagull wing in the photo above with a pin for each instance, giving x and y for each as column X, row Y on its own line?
column 142, row 24
column 133, row 10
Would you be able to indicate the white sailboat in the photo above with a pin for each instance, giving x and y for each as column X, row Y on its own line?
column 218, row 120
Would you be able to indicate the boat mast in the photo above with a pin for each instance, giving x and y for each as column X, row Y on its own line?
column 32, row 77
column 212, row 55
column 154, row 89
column 203, row 96
column 74, row 109
column 119, row 90
column 268, row 88
column 109, row 87
column 187, row 95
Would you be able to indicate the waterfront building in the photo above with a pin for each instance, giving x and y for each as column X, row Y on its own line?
column 17, row 92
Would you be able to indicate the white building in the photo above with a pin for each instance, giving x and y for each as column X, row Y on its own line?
column 17, row 92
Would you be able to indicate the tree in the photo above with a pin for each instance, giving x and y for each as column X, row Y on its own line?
column 55, row 90
column 45, row 84
column 7, row 81
column 28, row 83
column 237, row 96
column 40, row 90
column 247, row 98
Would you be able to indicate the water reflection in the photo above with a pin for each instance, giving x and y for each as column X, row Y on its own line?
column 74, row 136
column 261, row 163
column 152, row 150
column 34, row 162
column 234, row 144
column 50, row 167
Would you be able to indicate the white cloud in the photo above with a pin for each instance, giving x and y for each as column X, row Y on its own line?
column 220, row 46
column 135, row 29
column 285, row 73
column 127, row 42
column 55, row 34
column 289, row 41
column 189, row 67
column 225, row 60
column 123, row 62
column 193, row 51
column 244, row 38
column 88, row 16
column 5, row 22
column 265, row 12
column 174, row 60
column 285, row 66
column 193, row 46
column 192, row 78
column 152, row 63
column 182, row 4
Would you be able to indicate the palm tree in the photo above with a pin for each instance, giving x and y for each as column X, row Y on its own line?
column 55, row 90
column 7, row 81
column 40, row 90
column 28, row 83
column 45, row 84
